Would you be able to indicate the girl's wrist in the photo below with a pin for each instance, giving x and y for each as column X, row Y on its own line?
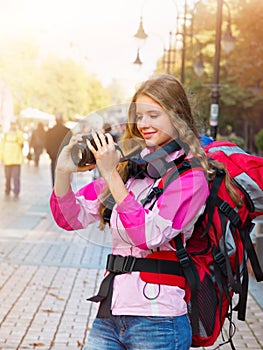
column 62, row 183
column 63, row 177
column 108, row 176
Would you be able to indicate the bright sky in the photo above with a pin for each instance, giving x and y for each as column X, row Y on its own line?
column 101, row 31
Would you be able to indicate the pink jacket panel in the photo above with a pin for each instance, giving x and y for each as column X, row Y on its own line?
column 135, row 230
column 77, row 211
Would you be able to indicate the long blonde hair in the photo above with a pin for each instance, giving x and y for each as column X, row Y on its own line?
column 169, row 93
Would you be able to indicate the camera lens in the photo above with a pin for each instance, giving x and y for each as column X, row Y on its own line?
column 81, row 155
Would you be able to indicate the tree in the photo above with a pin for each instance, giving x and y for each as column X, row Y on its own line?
column 241, row 93
column 259, row 140
column 51, row 84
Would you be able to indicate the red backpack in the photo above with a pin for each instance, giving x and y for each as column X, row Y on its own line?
column 220, row 244
column 245, row 170
column 212, row 267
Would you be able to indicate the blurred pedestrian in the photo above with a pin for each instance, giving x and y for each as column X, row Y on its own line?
column 107, row 128
column 38, row 142
column 56, row 138
column 11, row 155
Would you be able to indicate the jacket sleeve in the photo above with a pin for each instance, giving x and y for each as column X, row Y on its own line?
column 77, row 210
column 176, row 211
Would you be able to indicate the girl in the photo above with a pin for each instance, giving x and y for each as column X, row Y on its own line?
column 135, row 314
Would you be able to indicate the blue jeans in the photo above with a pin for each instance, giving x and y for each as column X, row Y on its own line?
column 140, row 333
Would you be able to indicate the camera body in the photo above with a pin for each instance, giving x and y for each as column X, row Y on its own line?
column 80, row 153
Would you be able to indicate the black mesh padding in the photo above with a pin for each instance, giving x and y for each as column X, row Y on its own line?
column 207, row 304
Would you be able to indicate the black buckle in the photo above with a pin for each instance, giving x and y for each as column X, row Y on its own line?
column 220, row 172
column 120, row 264
column 225, row 208
column 233, row 216
column 129, row 262
column 219, row 258
column 183, row 257
column 220, row 261
column 156, row 191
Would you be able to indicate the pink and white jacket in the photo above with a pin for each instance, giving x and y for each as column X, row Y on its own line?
column 136, row 231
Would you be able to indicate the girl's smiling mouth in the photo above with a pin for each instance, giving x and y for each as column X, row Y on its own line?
column 148, row 135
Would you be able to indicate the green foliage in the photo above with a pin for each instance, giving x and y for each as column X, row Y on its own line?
column 259, row 140
column 50, row 85
column 233, row 138
column 241, row 81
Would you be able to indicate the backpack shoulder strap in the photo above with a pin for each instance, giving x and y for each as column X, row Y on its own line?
column 178, row 170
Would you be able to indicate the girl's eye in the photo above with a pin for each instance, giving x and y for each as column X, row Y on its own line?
column 151, row 116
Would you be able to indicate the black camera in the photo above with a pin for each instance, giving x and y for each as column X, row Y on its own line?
column 82, row 156
column 80, row 153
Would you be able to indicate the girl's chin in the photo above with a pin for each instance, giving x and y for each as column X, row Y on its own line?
column 150, row 143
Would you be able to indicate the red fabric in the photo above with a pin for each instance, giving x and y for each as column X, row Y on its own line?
column 238, row 162
column 158, row 278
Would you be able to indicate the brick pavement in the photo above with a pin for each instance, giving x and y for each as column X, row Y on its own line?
column 47, row 274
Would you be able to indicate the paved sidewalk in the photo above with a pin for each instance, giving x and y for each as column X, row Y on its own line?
column 47, row 274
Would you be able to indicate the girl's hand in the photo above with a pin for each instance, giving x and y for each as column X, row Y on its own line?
column 65, row 167
column 106, row 155
column 65, row 163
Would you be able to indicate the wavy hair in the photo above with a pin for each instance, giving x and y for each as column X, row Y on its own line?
column 169, row 93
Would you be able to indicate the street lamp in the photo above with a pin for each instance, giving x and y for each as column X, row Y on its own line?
column 140, row 37
column 168, row 54
column 229, row 44
column 137, row 60
column 228, row 41
column 140, row 34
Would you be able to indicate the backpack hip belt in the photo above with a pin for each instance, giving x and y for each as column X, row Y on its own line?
column 127, row 264
column 154, row 269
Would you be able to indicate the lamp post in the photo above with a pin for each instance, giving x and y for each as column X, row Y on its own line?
column 189, row 17
column 169, row 55
column 229, row 41
column 184, row 43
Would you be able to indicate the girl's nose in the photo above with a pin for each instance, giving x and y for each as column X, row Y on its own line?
column 144, row 121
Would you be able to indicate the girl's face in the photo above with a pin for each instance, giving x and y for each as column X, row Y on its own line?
column 153, row 122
